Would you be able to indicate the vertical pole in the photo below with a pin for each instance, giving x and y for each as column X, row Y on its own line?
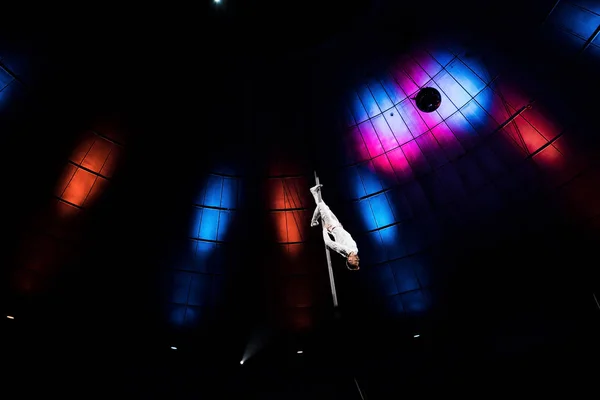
column 328, row 256
column 359, row 390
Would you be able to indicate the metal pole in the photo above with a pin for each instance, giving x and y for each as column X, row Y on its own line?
column 328, row 256
column 359, row 390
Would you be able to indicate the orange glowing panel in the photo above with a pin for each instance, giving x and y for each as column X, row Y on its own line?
column 275, row 190
column 79, row 187
column 278, row 219
column 296, row 193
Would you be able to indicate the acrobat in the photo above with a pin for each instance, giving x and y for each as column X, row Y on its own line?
column 343, row 243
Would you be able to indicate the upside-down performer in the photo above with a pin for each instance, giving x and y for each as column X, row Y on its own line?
column 343, row 243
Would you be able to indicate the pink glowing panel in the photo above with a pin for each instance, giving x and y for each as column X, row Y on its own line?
column 462, row 130
column 432, row 150
column 452, row 89
column 383, row 169
column 412, row 117
column 407, row 85
column 445, row 109
column 381, row 96
column 427, row 62
column 414, row 70
column 493, row 104
column 371, row 140
column 357, row 144
column 393, row 89
column 385, row 134
column 400, row 165
column 368, row 100
column 448, row 141
column 397, row 125
column 515, row 97
column 532, row 138
column 542, row 120
column 415, row 157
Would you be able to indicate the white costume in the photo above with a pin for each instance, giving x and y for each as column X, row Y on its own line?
column 343, row 244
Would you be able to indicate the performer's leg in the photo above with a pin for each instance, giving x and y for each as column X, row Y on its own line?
column 315, row 192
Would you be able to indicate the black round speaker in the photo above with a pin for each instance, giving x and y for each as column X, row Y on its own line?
column 428, row 99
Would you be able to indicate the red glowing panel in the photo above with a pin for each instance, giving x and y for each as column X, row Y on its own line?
column 65, row 179
column 98, row 188
column 297, row 224
column 541, row 120
column 64, row 210
column 412, row 118
column 532, row 138
column 407, row 85
column 386, row 137
column 384, row 169
column 415, row 157
column 280, row 223
column 371, row 139
column 97, row 156
column 358, row 145
column 275, row 190
column 448, row 141
column 79, row 187
column 296, row 193
column 83, row 147
column 111, row 162
column 515, row 97
column 400, row 165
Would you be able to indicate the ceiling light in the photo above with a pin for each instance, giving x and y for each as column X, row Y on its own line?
column 417, row 335
column 10, row 317
column 300, row 352
column 242, row 362
column 173, row 348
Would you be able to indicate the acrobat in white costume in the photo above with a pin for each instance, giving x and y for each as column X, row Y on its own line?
column 343, row 243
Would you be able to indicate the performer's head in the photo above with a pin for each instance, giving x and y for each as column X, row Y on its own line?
column 352, row 262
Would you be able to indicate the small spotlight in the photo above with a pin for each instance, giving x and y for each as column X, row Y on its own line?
column 299, row 352
column 217, row 1
column 417, row 335
column 10, row 317
column 242, row 362
column 173, row 348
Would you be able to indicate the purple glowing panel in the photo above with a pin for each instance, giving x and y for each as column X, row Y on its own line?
column 408, row 86
column 383, row 168
column 451, row 146
column 414, row 70
column 402, row 169
column 358, row 145
column 393, row 89
column 415, row 157
column 397, row 126
column 446, row 108
column 452, row 89
column 478, row 118
column 432, row 150
column 412, row 118
column 427, row 62
column 384, row 133
column 463, row 131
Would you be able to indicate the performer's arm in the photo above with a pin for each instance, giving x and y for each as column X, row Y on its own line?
column 333, row 245
column 315, row 217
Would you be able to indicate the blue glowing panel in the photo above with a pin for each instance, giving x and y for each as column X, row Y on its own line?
column 478, row 118
column 393, row 306
column 196, row 222
column 381, row 96
column 446, row 108
column 407, row 85
column 441, row 54
column 414, row 70
column 180, row 284
column 225, row 218
column 479, row 67
column 214, row 187
column 392, row 241
column 370, row 138
column 400, row 205
column 432, row 150
column 384, row 133
column 575, row 20
column 368, row 101
column 427, row 62
column 363, row 208
column 209, row 225
column 199, row 290
column 357, row 108
column 348, row 118
column 382, row 210
column 415, row 157
column 493, row 104
column 202, row 255
column 380, row 280
column 451, row 146
column 404, row 275
column 397, row 126
column 384, row 170
column 5, row 79
column 412, row 118
column 368, row 177
column 176, row 314
column 229, row 195
column 592, row 5
column 457, row 95
column 393, row 89
column 358, row 145
column 352, row 183
column 464, row 132
column 465, row 77
column 371, row 248
column 415, row 303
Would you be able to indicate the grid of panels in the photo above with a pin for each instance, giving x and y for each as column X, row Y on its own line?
column 296, row 293
column 411, row 176
column 573, row 24
column 198, row 280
